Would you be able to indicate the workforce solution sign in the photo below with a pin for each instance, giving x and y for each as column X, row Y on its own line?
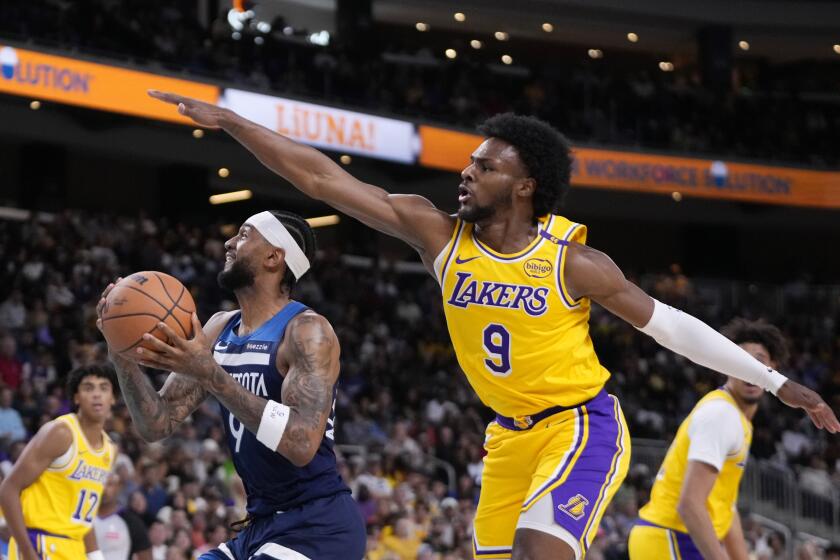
column 98, row 86
column 327, row 127
column 660, row 174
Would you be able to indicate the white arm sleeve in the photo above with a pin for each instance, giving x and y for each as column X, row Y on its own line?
column 700, row 343
column 715, row 431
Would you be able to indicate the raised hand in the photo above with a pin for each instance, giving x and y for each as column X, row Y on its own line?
column 204, row 114
column 798, row 396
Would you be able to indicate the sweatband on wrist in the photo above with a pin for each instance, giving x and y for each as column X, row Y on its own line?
column 278, row 236
column 275, row 416
column 700, row 343
column 95, row 555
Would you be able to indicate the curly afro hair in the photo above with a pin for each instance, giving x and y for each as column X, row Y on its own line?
column 741, row 331
column 545, row 152
column 105, row 371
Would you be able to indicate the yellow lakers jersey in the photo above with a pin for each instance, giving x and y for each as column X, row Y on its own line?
column 65, row 498
column 665, row 495
column 519, row 336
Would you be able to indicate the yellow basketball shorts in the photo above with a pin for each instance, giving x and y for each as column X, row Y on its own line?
column 51, row 547
column 556, row 476
column 651, row 541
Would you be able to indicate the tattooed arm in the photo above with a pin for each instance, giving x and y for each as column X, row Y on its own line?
column 310, row 350
column 157, row 414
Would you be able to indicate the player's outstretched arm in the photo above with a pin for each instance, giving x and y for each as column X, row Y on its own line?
column 156, row 415
column 50, row 443
column 591, row 273
column 294, row 427
column 411, row 218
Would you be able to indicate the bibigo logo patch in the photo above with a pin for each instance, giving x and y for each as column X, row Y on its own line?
column 537, row 268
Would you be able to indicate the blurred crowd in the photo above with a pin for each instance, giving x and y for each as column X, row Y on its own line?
column 409, row 429
column 785, row 112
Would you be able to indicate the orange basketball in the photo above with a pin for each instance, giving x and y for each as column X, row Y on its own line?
column 139, row 302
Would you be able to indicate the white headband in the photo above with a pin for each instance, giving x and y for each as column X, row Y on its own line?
column 277, row 235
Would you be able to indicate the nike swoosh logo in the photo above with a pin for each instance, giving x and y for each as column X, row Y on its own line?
column 464, row 261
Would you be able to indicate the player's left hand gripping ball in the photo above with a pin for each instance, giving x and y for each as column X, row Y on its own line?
column 190, row 357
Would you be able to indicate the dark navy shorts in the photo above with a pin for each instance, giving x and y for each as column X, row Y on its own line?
column 325, row 529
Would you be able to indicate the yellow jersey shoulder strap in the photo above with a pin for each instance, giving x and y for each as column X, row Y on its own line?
column 442, row 260
column 561, row 231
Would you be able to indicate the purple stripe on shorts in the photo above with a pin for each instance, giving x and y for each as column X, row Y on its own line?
column 576, row 500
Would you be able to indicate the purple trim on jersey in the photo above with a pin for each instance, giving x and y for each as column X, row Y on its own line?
column 487, row 251
column 594, row 469
column 563, row 244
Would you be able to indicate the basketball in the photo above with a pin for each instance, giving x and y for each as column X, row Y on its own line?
column 138, row 303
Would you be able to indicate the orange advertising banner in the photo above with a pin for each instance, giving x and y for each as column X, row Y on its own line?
column 98, row 86
column 660, row 174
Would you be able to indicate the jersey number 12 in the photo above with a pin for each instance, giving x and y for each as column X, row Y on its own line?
column 92, row 498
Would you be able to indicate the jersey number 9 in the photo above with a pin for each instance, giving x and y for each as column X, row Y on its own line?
column 497, row 346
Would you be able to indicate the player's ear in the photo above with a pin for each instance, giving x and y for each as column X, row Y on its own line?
column 274, row 258
column 526, row 187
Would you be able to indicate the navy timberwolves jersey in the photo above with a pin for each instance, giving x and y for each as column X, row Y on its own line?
column 272, row 482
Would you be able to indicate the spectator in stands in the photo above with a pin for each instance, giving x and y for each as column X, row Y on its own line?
column 11, row 368
column 157, row 538
column 152, row 488
column 11, row 424
column 13, row 312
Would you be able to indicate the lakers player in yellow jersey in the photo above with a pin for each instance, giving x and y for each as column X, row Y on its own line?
column 52, row 494
column 517, row 280
column 692, row 512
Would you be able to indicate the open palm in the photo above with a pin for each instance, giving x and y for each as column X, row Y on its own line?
column 204, row 114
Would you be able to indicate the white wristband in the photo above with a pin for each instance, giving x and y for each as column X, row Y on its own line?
column 95, row 555
column 275, row 416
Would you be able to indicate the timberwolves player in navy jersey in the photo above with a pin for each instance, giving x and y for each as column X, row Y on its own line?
column 273, row 365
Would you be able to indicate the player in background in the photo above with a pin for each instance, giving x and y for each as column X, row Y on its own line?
column 517, row 282
column 55, row 488
column 273, row 365
column 692, row 513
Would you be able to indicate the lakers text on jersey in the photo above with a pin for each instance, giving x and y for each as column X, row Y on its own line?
column 519, row 336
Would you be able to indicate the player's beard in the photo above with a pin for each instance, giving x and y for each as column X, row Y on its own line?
column 238, row 276
column 474, row 213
